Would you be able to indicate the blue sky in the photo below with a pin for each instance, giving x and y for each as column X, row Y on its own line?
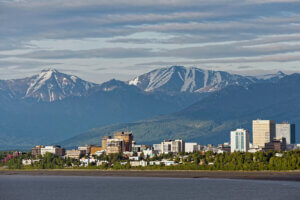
column 99, row 40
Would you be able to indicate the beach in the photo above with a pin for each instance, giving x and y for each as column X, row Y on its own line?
column 254, row 175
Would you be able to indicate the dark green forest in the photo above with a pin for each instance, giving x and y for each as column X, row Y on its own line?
column 195, row 161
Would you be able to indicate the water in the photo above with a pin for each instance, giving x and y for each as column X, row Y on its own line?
column 17, row 187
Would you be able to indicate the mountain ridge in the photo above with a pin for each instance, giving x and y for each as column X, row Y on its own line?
column 211, row 119
column 176, row 79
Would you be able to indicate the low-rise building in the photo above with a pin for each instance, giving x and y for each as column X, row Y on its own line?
column 76, row 154
column 87, row 161
column 149, row 153
column 26, row 162
column 140, row 163
column 36, row 151
column 86, row 148
column 95, row 149
column 191, row 147
column 275, row 145
column 134, row 158
column 56, row 150
column 225, row 147
column 101, row 162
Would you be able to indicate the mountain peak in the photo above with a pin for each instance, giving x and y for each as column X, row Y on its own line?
column 271, row 77
column 51, row 85
column 280, row 73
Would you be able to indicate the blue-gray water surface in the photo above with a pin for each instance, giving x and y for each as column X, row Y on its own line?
column 18, row 187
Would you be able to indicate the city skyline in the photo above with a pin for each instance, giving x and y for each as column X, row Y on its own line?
column 100, row 40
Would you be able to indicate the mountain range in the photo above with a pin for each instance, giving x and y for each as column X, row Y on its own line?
column 178, row 79
column 211, row 119
column 52, row 106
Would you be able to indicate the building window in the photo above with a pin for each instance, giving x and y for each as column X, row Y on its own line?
column 242, row 141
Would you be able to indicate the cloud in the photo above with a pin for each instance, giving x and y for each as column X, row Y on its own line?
column 91, row 53
column 194, row 31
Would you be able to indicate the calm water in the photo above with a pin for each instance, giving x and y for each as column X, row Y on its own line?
column 97, row 188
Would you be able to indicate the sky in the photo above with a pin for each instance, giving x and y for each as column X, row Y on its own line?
column 98, row 40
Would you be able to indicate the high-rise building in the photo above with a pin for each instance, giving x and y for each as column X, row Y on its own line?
column 263, row 132
column 114, row 146
column 172, row 146
column 104, row 141
column 239, row 140
column 286, row 130
column 127, row 137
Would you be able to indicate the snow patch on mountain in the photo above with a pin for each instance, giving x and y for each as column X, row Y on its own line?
column 49, row 85
column 176, row 79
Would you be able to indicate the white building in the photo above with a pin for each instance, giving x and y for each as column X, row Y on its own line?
column 101, row 162
column 140, row 163
column 56, row 150
column 29, row 161
column 157, row 148
column 191, row 147
column 239, row 140
column 134, row 158
column 86, row 161
column 172, row 146
column 148, row 152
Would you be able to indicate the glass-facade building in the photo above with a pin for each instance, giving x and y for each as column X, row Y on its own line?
column 239, row 140
column 287, row 131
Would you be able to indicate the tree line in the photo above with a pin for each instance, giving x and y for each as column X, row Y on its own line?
column 193, row 161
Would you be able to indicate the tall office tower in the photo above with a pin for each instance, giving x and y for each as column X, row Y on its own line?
column 127, row 137
column 263, row 132
column 173, row 146
column 114, row 146
column 104, row 141
column 286, row 130
column 239, row 140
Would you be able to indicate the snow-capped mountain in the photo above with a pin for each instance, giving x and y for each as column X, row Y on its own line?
column 193, row 80
column 50, row 85
column 270, row 77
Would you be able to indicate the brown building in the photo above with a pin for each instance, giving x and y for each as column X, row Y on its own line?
column 77, row 154
column 36, row 151
column 263, row 132
column 94, row 149
column 86, row 148
column 104, row 141
column 276, row 145
column 114, row 146
column 127, row 137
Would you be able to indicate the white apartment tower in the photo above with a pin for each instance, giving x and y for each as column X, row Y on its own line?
column 239, row 140
column 172, row 146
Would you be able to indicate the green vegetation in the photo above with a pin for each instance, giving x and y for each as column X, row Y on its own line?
column 194, row 161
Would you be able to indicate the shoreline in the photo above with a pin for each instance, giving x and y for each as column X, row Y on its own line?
column 250, row 175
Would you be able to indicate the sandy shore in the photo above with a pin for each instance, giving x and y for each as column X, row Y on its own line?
column 260, row 175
